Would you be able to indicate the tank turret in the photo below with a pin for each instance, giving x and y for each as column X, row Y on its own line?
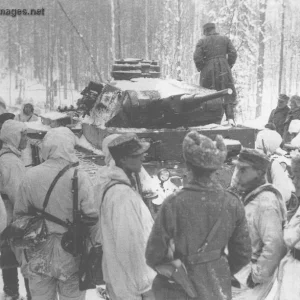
column 138, row 98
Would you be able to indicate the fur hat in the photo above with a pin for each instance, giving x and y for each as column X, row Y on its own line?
column 253, row 158
column 127, row 145
column 283, row 97
column 209, row 26
column 201, row 151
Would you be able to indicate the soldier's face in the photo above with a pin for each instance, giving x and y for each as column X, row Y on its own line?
column 23, row 141
column 244, row 177
column 133, row 163
column 282, row 103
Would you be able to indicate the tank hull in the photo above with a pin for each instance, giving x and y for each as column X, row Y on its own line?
column 166, row 143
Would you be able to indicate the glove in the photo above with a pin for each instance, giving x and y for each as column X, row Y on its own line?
column 231, row 122
column 250, row 283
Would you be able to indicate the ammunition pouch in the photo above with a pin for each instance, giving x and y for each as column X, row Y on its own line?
column 204, row 257
column 67, row 243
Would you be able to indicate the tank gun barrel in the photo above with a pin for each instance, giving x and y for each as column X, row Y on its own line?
column 190, row 102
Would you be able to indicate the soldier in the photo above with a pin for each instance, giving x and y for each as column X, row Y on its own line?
column 12, row 171
column 266, row 215
column 293, row 114
column 50, row 269
column 125, row 220
column 201, row 220
column 27, row 114
column 279, row 114
column 214, row 57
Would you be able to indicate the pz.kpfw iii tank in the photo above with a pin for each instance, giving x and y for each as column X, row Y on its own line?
column 159, row 110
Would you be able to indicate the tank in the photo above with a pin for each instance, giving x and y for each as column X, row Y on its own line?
column 160, row 111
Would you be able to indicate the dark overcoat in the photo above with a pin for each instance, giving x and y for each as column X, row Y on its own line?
column 187, row 217
column 214, row 57
column 278, row 117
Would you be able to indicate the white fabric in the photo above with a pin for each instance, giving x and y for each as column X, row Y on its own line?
column 11, row 133
column 12, row 170
column 288, row 278
column 271, row 139
column 296, row 141
column 281, row 181
column 294, row 126
column 125, row 225
column 59, row 143
column 50, row 259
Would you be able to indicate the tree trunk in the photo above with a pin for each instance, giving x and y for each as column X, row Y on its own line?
column 10, row 61
column 119, row 29
column 146, row 30
column 179, row 39
column 261, row 56
column 281, row 48
column 113, row 26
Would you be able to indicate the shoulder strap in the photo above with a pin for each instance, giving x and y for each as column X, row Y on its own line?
column 7, row 152
column 269, row 173
column 110, row 186
column 64, row 170
column 213, row 230
column 266, row 188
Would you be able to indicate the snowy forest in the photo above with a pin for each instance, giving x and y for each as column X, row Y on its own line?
column 51, row 58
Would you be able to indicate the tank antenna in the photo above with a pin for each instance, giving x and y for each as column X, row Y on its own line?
column 84, row 43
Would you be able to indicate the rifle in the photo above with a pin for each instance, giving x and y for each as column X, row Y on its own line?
column 76, row 213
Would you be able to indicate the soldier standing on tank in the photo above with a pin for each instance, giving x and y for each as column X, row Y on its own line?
column 214, row 57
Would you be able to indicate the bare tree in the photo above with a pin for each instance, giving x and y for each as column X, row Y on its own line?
column 261, row 56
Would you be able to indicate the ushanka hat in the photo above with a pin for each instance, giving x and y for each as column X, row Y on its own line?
column 127, row 145
column 253, row 158
column 200, row 151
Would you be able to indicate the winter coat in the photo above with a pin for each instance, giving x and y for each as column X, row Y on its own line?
column 125, row 225
column 281, row 181
column 292, row 115
column 187, row 217
column 214, row 57
column 268, row 141
column 278, row 117
column 266, row 214
column 12, row 170
column 49, row 258
column 288, row 278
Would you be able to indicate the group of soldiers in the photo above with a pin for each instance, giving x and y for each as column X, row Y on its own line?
column 206, row 242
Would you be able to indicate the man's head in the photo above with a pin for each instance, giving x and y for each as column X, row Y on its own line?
column 59, row 143
column 282, row 100
column 128, row 152
column 209, row 28
column 28, row 109
column 14, row 133
column 250, row 170
column 202, row 155
column 295, row 102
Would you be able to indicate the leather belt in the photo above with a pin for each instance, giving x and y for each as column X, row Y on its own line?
column 204, row 257
column 295, row 253
column 218, row 56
